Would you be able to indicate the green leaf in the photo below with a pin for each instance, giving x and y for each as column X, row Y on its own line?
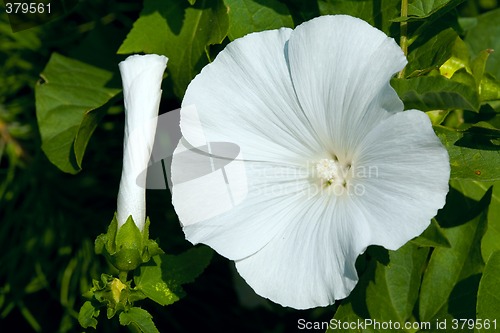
column 458, row 61
column 479, row 65
column 489, row 89
column 68, row 108
column 433, row 236
column 394, row 291
column 385, row 292
column 486, row 35
column 488, row 297
column 473, row 154
column 448, row 282
column 139, row 319
column 87, row 315
column 150, row 281
column 345, row 315
column 490, row 241
column 436, row 93
column 161, row 281
column 187, row 266
column 424, row 8
column 353, row 309
column 377, row 13
column 181, row 32
column 246, row 16
column 433, row 53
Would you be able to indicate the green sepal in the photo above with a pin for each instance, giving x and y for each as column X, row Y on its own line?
column 127, row 247
column 110, row 292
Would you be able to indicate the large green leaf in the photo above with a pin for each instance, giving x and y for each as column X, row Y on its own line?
column 386, row 292
column 473, row 153
column 162, row 279
column 428, row 93
column 68, row 102
column 140, row 319
column 491, row 238
column 344, row 318
column 432, row 236
column 433, row 53
column 377, row 13
column 246, row 16
column 353, row 309
column 461, row 204
column 449, row 282
column 424, row 8
column 488, row 297
column 394, row 291
column 181, row 32
column 486, row 35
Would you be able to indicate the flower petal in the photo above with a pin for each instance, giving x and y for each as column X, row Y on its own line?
column 340, row 68
column 245, row 96
column 403, row 172
column 235, row 207
column 310, row 263
column 141, row 78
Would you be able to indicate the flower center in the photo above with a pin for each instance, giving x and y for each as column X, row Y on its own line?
column 330, row 171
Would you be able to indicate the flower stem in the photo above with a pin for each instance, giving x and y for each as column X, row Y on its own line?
column 122, row 275
column 404, row 33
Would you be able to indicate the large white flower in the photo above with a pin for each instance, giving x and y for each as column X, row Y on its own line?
column 141, row 78
column 328, row 162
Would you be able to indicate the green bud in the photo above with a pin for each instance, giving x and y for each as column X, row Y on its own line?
column 127, row 247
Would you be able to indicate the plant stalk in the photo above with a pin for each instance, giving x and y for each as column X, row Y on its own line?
column 403, row 41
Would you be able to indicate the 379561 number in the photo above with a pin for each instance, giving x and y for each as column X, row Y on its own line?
column 25, row 8
column 474, row 324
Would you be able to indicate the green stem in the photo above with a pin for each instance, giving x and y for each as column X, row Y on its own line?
column 404, row 33
column 122, row 275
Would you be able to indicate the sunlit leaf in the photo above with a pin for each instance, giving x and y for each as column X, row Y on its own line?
column 68, row 102
column 393, row 292
column 140, row 319
column 426, row 8
column 377, row 13
column 433, row 236
column 246, row 16
column 486, row 35
column 488, row 297
column 432, row 53
column 473, row 153
column 181, row 32
column 452, row 273
column 161, row 280
column 428, row 93
column 423, row 9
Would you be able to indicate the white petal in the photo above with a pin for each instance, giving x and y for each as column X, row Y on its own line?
column 245, row 96
column 340, row 68
column 404, row 171
column 141, row 78
column 311, row 262
column 237, row 207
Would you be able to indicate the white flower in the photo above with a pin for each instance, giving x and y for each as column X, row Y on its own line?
column 331, row 162
column 141, row 78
